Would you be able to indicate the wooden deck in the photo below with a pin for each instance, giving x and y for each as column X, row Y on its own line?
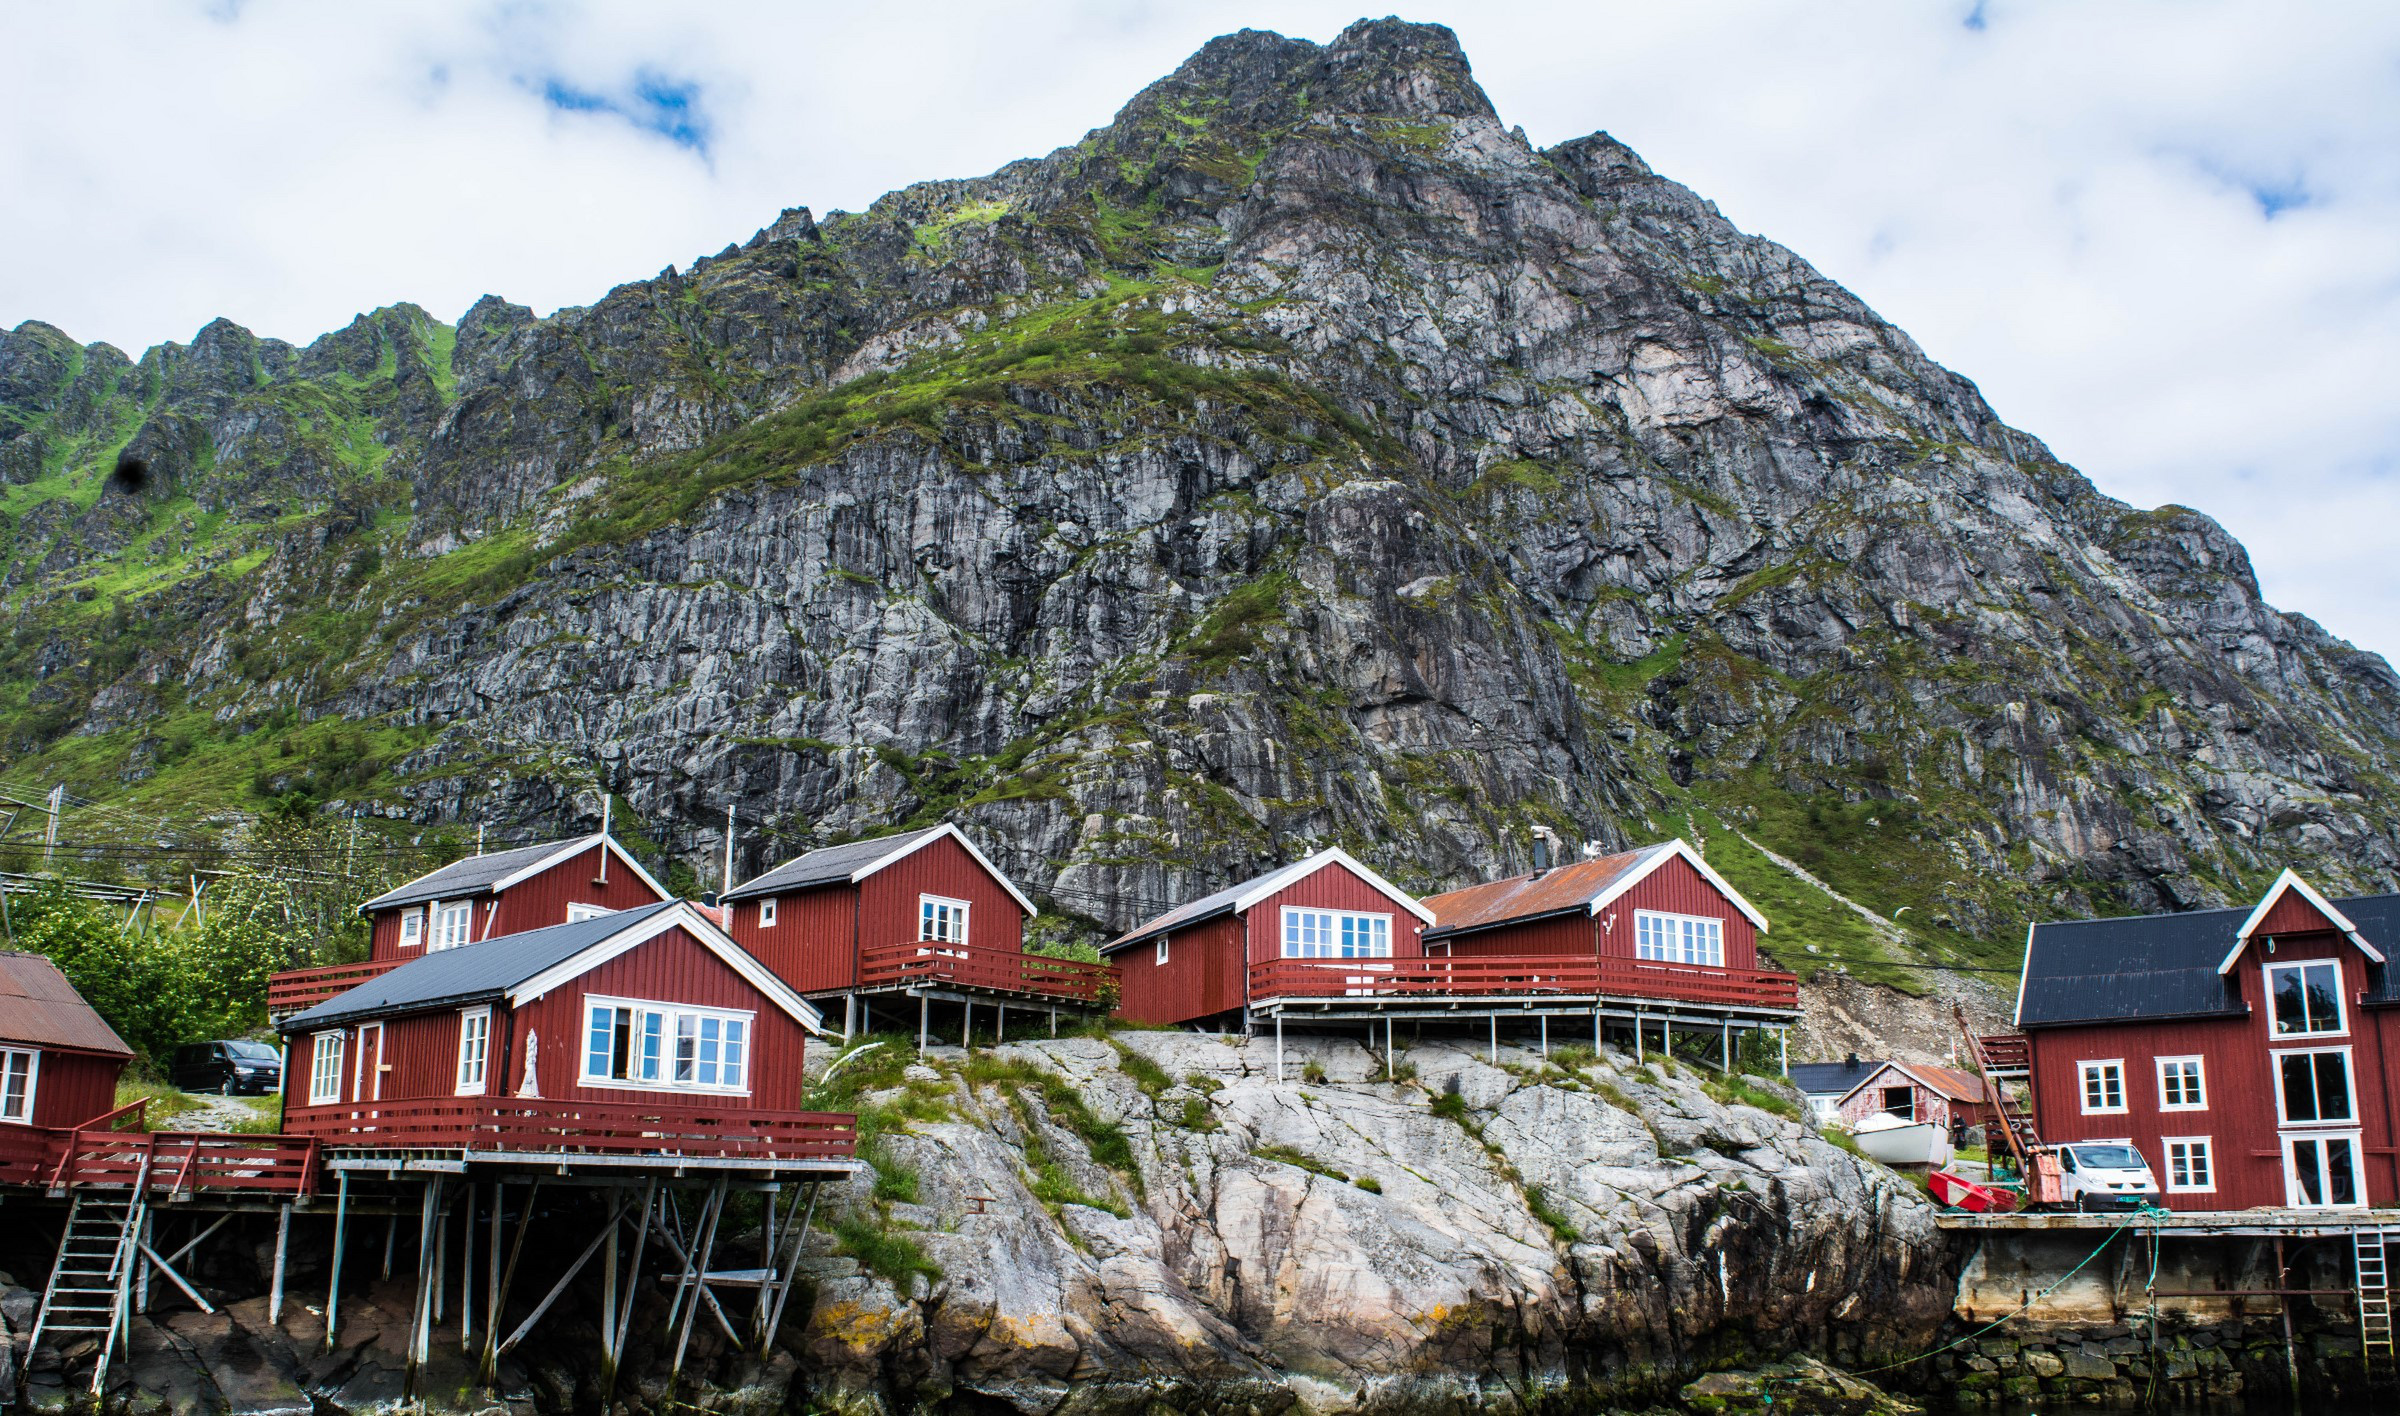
column 105, row 1153
column 292, row 991
column 2250, row 1223
column 640, row 1134
column 1004, row 974
column 1570, row 982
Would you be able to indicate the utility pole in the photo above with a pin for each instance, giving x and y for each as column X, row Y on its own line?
column 57, row 798
column 725, row 881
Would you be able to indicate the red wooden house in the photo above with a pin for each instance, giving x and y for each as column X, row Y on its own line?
column 2250, row 1055
column 1315, row 926
column 58, row 1060
column 1914, row 1091
column 921, row 914
column 610, row 1034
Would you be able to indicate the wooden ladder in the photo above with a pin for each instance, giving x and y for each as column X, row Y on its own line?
column 2015, row 1125
column 91, row 1285
column 2370, row 1255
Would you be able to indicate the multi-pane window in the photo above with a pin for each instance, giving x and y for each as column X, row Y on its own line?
column 453, row 925
column 2180, row 1087
column 2103, row 1087
column 2321, row 1171
column 2314, row 1087
column 941, row 921
column 412, row 928
column 1335, row 934
column 627, row 1043
column 1679, row 939
column 16, row 1084
column 325, row 1068
column 2190, row 1166
column 474, row 1049
column 2305, row 1000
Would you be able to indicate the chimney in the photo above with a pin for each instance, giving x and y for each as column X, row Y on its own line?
column 1545, row 844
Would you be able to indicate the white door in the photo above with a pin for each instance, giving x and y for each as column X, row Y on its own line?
column 2322, row 1172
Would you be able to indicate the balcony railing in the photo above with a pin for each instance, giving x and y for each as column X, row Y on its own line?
column 171, row 1163
column 2006, row 1052
column 1522, row 976
column 288, row 993
column 984, row 968
column 686, row 1129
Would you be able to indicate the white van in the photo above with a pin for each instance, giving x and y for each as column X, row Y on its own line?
column 2104, row 1175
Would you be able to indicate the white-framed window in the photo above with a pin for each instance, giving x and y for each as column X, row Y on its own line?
column 453, row 925
column 2103, row 1086
column 2313, row 1088
column 412, row 928
column 766, row 913
column 1335, row 934
column 2305, row 999
column 2182, row 1085
column 325, row 1068
column 2191, row 1165
column 1161, row 960
column 474, row 1049
column 578, row 911
column 665, row 1046
column 19, row 1069
column 2322, row 1172
column 941, row 921
column 1679, row 939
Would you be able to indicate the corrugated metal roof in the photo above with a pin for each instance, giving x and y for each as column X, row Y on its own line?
column 1949, row 1081
column 471, row 876
column 823, row 867
column 1206, row 907
column 1554, row 891
column 39, row 1006
column 1830, row 1078
column 470, row 972
column 2156, row 966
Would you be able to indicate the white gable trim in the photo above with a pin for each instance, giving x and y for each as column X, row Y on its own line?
column 2024, row 972
column 1332, row 855
column 700, row 927
column 573, row 849
column 947, row 831
column 1906, row 1071
column 2290, row 880
column 1677, row 848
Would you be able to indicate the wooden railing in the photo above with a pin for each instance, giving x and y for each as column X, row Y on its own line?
column 985, row 968
column 178, row 1162
column 288, row 993
column 2006, row 1052
column 691, row 1128
column 1522, row 975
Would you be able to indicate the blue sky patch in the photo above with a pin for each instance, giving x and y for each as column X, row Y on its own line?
column 672, row 108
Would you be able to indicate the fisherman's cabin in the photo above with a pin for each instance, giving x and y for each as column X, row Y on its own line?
column 895, row 924
column 2247, row 1053
column 1919, row 1093
column 59, row 1063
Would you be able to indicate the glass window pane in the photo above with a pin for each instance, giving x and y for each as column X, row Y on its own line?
column 2341, row 1172
column 2333, row 1087
column 654, row 1027
column 2299, row 1090
column 595, row 1062
column 2304, row 1171
column 687, row 1046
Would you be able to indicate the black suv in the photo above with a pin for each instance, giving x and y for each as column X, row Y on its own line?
column 228, row 1067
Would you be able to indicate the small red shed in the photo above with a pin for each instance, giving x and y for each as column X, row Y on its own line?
column 1201, row 960
column 507, row 892
column 653, row 1004
column 1916, row 1091
column 59, row 1060
column 2251, row 1055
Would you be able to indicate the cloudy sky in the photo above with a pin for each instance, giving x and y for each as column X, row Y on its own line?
column 2163, row 236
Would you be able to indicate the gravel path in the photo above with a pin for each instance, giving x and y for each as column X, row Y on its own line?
column 216, row 1113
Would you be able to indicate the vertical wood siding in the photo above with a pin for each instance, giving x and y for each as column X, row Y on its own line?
column 541, row 900
column 2240, row 1080
column 1931, row 1105
column 810, row 944
column 2292, row 914
column 1559, row 934
column 73, row 1087
column 1202, row 977
column 1331, row 886
column 888, row 899
column 1677, row 888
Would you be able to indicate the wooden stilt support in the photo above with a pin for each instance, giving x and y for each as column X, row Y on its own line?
column 333, row 1286
column 1637, row 1036
column 420, row 1326
column 441, row 1257
column 173, row 1277
column 616, row 1319
column 1279, row 1049
column 1494, row 1020
column 141, row 1272
column 675, row 1245
column 703, row 1247
column 787, row 1272
column 849, row 1017
column 1725, row 1048
column 391, row 1234
column 1054, row 1023
column 564, row 1279
column 1000, row 1028
column 466, row 1273
column 1545, row 1037
column 1595, row 1032
column 2283, row 1305
column 283, row 1249
column 1387, row 1049
column 966, row 1027
column 1783, row 1051
column 924, row 1021
column 488, row 1372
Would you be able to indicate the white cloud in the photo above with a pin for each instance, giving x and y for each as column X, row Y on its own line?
column 2157, row 234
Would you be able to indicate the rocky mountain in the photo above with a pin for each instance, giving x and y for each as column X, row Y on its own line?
column 1304, row 457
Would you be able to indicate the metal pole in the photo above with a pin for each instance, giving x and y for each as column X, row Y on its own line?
column 333, row 1288
column 1387, row 1048
column 1725, row 1044
column 466, row 1274
column 1000, row 1028
column 1783, row 1051
column 924, row 1020
column 1494, row 1020
column 966, row 1027
column 1595, row 1030
column 1545, row 1037
column 283, row 1236
column 1637, row 1034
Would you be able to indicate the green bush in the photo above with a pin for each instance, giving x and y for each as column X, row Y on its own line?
column 887, row 1253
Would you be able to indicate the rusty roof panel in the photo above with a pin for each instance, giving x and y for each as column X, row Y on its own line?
column 39, row 1006
column 1548, row 892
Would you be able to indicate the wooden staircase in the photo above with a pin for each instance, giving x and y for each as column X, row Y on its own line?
column 2370, row 1252
column 91, row 1285
column 2016, row 1127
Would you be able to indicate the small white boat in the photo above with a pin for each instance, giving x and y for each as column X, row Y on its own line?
column 1897, row 1141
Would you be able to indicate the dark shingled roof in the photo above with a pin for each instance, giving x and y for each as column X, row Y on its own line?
column 471, row 876
column 39, row 1006
column 1830, row 1078
column 2157, row 966
column 823, row 867
column 1192, row 912
column 469, row 973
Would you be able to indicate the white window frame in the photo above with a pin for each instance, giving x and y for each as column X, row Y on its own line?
column 31, row 1060
column 412, row 927
column 2323, row 1140
column 670, row 1018
column 1161, row 959
column 931, row 908
column 1337, row 927
column 1676, row 942
column 437, row 937
column 2208, row 1160
column 766, row 913
column 578, row 911
column 325, row 1065
column 474, row 1050
column 2199, row 1080
column 2341, row 1005
column 2083, row 1085
column 2275, row 1060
